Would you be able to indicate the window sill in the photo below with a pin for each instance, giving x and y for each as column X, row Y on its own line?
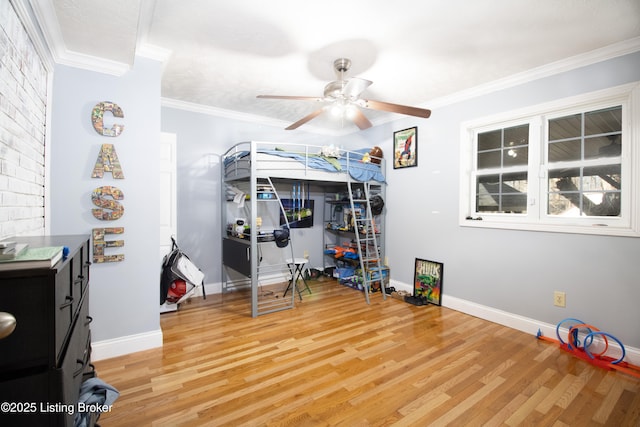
column 602, row 230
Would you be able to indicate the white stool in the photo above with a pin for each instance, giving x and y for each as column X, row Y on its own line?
column 297, row 265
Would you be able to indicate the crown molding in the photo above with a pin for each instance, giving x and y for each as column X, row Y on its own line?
column 45, row 16
column 150, row 51
column 92, row 63
column 25, row 14
column 598, row 55
column 235, row 115
column 143, row 47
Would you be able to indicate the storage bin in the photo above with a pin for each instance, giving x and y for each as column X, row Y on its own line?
column 344, row 272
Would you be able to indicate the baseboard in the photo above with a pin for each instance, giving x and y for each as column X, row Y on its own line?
column 107, row 349
column 521, row 323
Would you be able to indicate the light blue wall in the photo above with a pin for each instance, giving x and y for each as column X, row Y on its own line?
column 124, row 295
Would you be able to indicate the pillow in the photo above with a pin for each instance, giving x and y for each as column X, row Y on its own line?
column 330, row 151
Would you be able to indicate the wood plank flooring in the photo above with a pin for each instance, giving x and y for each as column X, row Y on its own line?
column 336, row 361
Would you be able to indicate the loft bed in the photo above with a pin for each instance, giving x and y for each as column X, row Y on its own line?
column 300, row 162
column 256, row 165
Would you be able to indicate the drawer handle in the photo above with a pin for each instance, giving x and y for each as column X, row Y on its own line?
column 7, row 324
column 69, row 299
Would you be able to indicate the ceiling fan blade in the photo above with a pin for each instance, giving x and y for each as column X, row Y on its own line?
column 305, row 119
column 395, row 108
column 355, row 86
column 301, row 98
column 360, row 119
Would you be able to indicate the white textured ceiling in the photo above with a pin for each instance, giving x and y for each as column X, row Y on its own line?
column 221, row 54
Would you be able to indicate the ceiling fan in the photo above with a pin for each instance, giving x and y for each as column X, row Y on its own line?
column 344, row 95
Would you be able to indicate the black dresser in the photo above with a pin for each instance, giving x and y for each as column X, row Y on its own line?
column 45, row 360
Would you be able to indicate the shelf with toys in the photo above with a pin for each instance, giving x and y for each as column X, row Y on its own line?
column 353, row 238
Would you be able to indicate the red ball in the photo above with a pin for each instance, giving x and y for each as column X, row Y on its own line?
column 177, row 290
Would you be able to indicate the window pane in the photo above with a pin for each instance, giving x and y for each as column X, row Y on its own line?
column 514, row 182
column 514, row 193
column 560, row 204
column 602, row 146
column 518, row 135
column 603, row 121
column 515, row 156
column 565, row 127
column 502, row 193
column 490, row 140
column 514, row 203
column 589, row 191
column 606, row 178
column 487, row 193
column 488, row 184
column 605, row 126
column 564, row 179
column 503, row 148
column 489, row 159
column 564, row 151
column 602, row 204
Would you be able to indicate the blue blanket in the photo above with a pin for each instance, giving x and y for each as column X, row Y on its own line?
column 358, row 170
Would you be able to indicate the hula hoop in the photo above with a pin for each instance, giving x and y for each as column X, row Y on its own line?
column 563, row 321
column 605, row 335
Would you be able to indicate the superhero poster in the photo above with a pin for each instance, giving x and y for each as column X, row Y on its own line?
column 405, row 148
column 427, row 281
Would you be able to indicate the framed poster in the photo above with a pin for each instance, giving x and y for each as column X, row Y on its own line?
column 405, row 148
column 427, row 281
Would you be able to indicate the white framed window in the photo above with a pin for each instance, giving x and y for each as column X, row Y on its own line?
column 572, row 166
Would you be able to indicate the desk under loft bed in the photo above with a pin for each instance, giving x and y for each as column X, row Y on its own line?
column 254, row 174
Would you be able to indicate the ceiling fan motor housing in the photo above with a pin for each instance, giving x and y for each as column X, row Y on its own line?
column 342, row 65
column 333, row 89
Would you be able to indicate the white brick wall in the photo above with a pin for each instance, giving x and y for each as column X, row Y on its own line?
column 23, row 98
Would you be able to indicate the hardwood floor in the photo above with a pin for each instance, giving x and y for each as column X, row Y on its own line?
column 334, row 360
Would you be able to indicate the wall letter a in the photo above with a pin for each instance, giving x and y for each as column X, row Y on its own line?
column 107, row 161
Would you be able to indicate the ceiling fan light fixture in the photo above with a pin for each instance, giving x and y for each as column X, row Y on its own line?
column 337, row 110
column 350, row 111
column 342, row 97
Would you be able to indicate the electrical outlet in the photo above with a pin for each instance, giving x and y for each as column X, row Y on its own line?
column 559, row 299
column 306, row 254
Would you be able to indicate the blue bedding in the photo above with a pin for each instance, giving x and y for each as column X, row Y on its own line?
column 358, row 170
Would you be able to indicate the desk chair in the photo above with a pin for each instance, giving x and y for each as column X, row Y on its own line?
column 297, row 266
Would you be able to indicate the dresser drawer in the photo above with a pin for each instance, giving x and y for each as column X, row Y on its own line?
column 30, row 392
column 64, row 305
column 31, row 339
column 79, row 275
column 75, row 363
